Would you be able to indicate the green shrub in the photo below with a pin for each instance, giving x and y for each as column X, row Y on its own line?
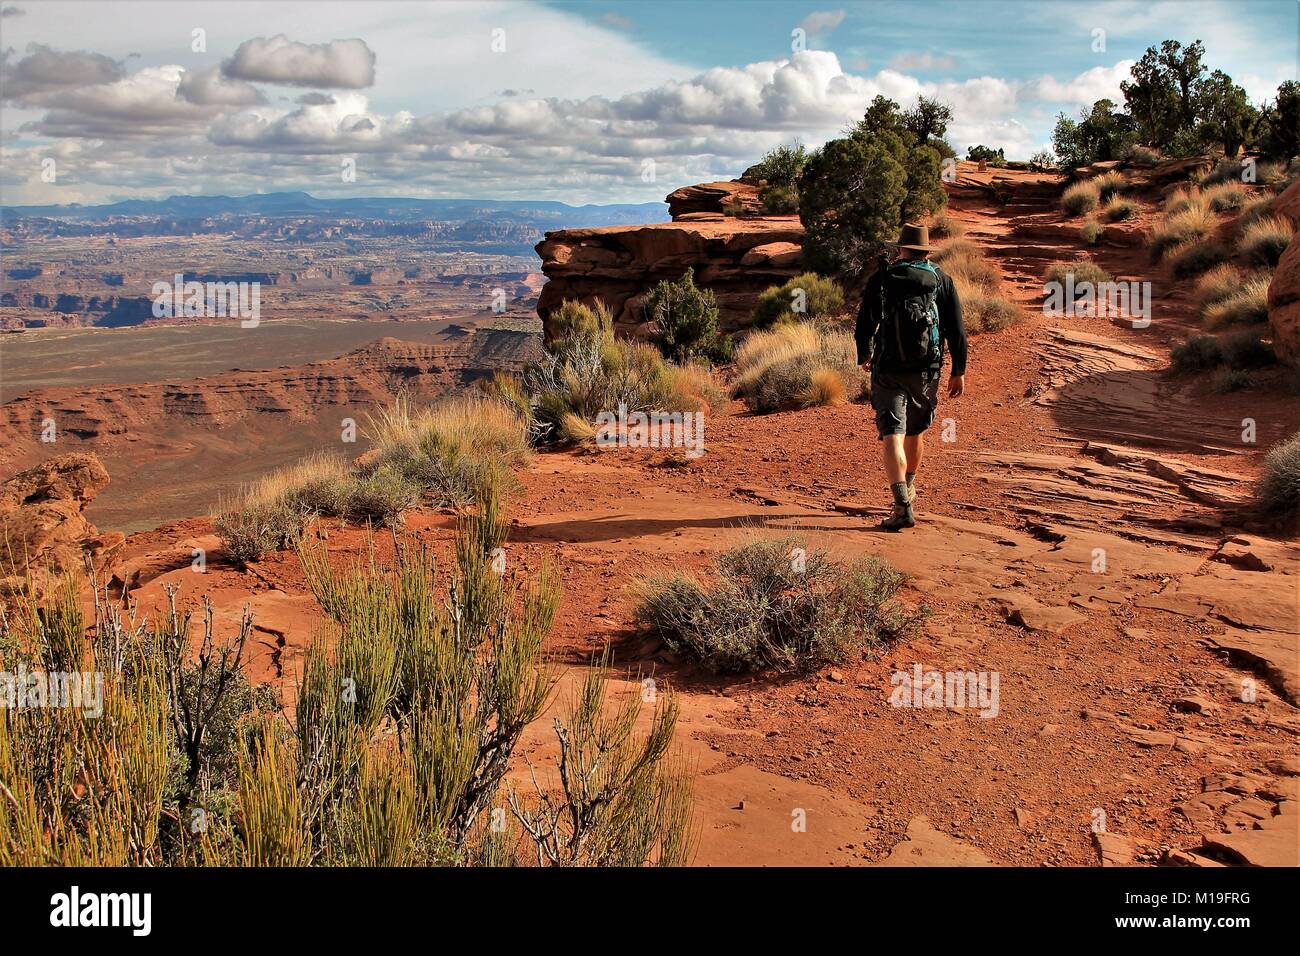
column 780, row 166
column 1279, row 488
column 988, row 313
column 1263, row 241
column 855, row 192
column 807, row 297
column 1194, row 258
column 586, row 371
column 1142, row 156
column 1246, row 350
column 777, row 605
column 1230, row 380
column 1080, row 198
column 1092, row 232
column 779, row 200
column 684, row 320
column 251, row 524
column 1198, row 353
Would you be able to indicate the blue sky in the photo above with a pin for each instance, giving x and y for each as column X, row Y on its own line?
column 579, row 102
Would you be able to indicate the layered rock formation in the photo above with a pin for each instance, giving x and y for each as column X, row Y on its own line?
column 43, row 527
column 1284, row 293
column 736, row 258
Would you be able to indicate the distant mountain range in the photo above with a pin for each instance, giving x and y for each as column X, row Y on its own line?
column 544, row 214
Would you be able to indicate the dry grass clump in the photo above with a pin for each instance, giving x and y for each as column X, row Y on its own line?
column 1226, row 196
column 1192, row 223
column 966, row 262
column 1263, row 241
column 943, row 225
column 978, row 281
column 1080, row 198
column 1278, row 492
column 1092, row 232
column 1218, row 284
column 775, row 604
column 1109, row 185
column 1182, row 199
column 1241, row 350
column 1246, row 303
column 796, row 364
column 452, row 451
column 1082, row 270
column 1142, row 156
column 1119, row 209
column 1257, row 207
column 1193, row 258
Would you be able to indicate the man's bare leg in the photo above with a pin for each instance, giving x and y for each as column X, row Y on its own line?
column 914, row 449
column 896, row 459
column 895, row 470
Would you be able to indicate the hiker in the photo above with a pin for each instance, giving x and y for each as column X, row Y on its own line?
column 909, row 310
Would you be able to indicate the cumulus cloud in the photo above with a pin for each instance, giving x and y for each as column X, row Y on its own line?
column 822, row 21
column 923, row 62
column 339, row 64
column 44, row 70
column 1101, row 82
column 145, row 104
column 211, row 88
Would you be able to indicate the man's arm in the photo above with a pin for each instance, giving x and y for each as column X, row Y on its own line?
column 868, row 319
column 951, row 326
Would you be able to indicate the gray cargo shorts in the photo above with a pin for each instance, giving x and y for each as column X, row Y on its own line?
column 905, row 402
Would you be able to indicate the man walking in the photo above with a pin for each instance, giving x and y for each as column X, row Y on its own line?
column 910, row 310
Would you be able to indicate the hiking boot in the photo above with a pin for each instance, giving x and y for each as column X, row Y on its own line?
column 901, row 518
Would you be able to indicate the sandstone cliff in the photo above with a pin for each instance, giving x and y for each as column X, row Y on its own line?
column 736, row 258
column 1284, row 293
column 42, row 522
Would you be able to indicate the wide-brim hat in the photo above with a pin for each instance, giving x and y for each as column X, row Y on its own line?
column 915, row 237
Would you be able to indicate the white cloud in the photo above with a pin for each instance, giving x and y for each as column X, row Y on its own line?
column 44, row 70
column 210, row 88
column 1101, row 82
column 339, row 64
column 822, row 21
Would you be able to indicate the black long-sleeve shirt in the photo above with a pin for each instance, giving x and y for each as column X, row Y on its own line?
column 951, row 328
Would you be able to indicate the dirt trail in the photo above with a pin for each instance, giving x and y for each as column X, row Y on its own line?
column 1085, row 538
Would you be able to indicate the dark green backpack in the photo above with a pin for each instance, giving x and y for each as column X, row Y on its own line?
column 908, row 339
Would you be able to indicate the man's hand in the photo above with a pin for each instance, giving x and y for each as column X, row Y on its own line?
column 956, row 385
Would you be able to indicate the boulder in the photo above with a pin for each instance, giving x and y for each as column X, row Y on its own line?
column 713, row 198
column 43, row 527
column 1284, row 292
column 736, row 259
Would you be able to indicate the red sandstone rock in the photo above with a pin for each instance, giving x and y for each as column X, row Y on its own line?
column 42, row 525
